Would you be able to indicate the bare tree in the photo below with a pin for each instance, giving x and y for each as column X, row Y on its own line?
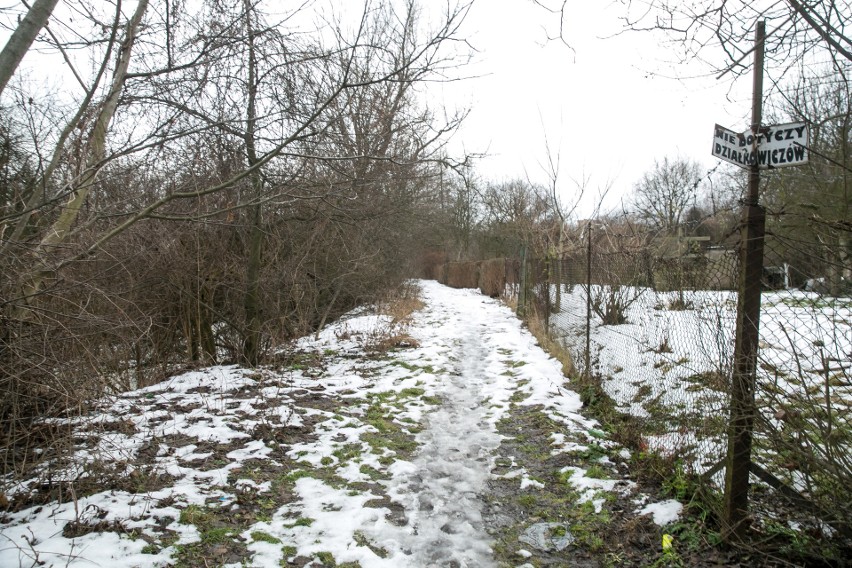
column 79, row 191
column 810, row 207
column 710, row 29
column 516, row 213
column 719, row 34
column 222, row 180
column 664, row 195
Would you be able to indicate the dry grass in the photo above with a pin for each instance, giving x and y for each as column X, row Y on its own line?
column 463, row 274
column 399, row 304
column 492, row 277
column 553, row 347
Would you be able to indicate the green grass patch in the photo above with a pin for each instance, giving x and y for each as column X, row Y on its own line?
column 411, row 392
column 372, row 472
column 518, row 396
column 347, row 452
column 301, row 522
column 404, row 365
column 298, row 474
column 597, row 471
column 394, row 440
column 260, row 536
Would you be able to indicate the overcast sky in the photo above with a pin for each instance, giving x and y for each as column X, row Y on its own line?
column 610, row 101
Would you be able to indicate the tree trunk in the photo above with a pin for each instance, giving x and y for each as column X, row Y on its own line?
column 32, row 204
column 22, row 38
column 61, row 228
column 251, row 302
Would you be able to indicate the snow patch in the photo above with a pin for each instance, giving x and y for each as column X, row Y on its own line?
column 664, row 512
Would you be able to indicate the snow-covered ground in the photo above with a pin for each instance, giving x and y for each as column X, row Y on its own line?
column 671, row 366
column 343, row 455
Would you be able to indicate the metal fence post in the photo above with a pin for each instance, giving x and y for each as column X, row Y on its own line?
column 548, row 303
column 522, row 285
column 587, row 355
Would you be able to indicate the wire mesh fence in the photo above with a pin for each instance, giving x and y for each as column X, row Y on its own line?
column 654, row 322
column 657, row 331
column 803, row 426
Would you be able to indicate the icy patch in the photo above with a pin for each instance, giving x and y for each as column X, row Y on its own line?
column 548, row 536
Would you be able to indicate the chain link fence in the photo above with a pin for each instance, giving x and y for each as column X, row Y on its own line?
column 655, row 325
column 653, row 320
column 803, row 426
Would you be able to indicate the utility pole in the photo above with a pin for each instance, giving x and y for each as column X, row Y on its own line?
column 741, row 423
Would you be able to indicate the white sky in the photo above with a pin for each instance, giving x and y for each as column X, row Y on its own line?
column 612, row 114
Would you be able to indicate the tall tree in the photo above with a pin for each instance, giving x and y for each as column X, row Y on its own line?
column 95, row 154
column 664, row 194
column 516, row 213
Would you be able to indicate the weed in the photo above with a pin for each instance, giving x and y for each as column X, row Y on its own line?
column 195, row 515
column 527, row 500
column 678, row 484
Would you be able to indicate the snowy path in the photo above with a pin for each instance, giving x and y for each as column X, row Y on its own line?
column 441, row 493
column 344, row 455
